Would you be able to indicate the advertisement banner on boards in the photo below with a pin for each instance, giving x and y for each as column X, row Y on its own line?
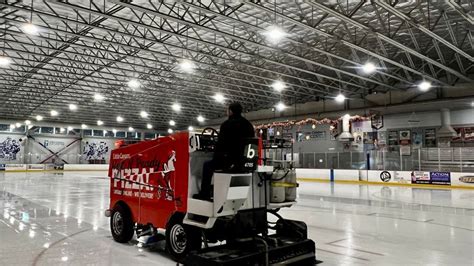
column 435, row 178
column 440, row 178
column 35, row 167
column 15, row 167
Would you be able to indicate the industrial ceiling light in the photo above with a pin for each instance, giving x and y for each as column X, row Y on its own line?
column 72, row 107
column 144, row 114
column 114, row 130
column 12, row 126
column 172, row 123
column 170, row 131
column 280, row 106
column 100, row 123
column 187, row 65
column 200, row 118
column 54, row 113
column 274, row 34
column 131, row 129
column 83, row 126
column 134, row 84
column 119, row 119
column 5, row 61
column 149, row 126
column 190, row 128
column 424, row 86
column 62, row 129
column 30, row 29
column 18, row 124
column 69, row 128
column 176, row 107
column 368, row 68
column 340, row 98
column 39, row 118
column 278, row 86
column 98, row 97
column 219, row 97
column 27, row 122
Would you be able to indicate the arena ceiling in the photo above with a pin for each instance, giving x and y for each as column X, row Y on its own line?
column 147, row 55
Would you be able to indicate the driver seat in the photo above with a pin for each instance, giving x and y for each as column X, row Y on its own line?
column 230, row 192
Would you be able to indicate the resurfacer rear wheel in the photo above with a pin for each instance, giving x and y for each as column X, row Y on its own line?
column 121, row 224
column 181, row 239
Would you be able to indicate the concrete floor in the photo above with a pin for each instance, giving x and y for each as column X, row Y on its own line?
column 57, row 218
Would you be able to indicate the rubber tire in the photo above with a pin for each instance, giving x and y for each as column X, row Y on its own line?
column 192, row 235
column 126, row 234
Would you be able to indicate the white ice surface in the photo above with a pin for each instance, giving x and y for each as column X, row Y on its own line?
column 53, row 219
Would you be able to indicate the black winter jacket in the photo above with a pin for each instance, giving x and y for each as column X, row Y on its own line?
column 230, row 143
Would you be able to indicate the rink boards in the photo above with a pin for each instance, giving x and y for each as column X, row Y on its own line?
column 436, row 179
column 432, row 179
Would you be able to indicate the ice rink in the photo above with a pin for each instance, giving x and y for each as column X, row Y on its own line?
column 58, row 218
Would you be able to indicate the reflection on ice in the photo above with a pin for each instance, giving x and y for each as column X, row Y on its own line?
column 60, row 219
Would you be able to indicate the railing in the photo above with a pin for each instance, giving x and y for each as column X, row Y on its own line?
column 439, row 159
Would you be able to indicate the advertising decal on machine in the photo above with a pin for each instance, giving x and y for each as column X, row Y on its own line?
column 130, row 178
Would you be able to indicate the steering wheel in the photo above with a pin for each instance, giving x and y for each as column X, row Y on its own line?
column 214, row 132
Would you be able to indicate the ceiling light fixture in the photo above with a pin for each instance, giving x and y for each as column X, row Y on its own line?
column 27, row 122
column 278, row 85
column 114, row 131
column 30, row 29
column 100, row 123
column 176, row 107
column 170, row 131
column 98, row 97
column 39, row 118
column 219, row 97
column 12, row 126
column 144, row 114
column 424, row 86
column 134, row 84
column 54, row 113
column 72, row 107
column 18, row 124
column 149, row 126
column 274, row 34
column 69, row 128
column 83, row 126
column 280, row 106
column 187, row 65
column 368, row 68
column 340, row 98
column 200, row 118
column 131, row 129
column 5, row 61
column 119, row 119
column 172, row 123
column 190, row 128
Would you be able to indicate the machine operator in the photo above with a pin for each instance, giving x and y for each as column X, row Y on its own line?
column 229, row 148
